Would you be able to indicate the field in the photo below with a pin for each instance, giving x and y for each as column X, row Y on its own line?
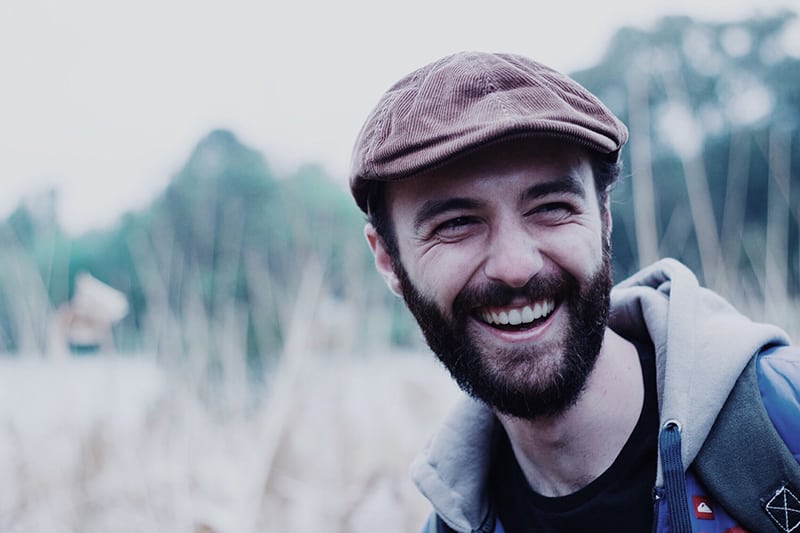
column 113, row 443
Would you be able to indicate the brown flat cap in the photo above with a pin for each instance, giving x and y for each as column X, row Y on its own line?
column 470, row 99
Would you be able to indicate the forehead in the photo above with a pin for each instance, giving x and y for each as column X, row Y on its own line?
column 495, row 169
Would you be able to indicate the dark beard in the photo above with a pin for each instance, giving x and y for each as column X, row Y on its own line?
column 520, row 382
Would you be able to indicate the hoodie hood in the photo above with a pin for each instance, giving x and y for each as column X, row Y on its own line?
column 702, row 344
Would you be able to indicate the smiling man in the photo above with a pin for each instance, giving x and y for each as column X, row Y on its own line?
column 514, row 242
column 485, row 179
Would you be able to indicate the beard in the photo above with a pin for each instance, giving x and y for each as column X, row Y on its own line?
column 532, row 381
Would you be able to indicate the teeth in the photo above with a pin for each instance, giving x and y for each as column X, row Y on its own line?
column 528, row 315
column 523, row 315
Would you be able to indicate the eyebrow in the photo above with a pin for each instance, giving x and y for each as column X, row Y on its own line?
column 568, row 183
column 434, row 208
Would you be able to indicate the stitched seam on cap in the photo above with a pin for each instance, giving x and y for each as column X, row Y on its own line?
column 492, row 87
column 379, row 133
column 372, row 143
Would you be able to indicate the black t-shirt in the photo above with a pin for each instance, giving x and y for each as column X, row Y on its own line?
column 619, row 500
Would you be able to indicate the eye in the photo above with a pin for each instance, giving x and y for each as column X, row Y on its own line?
column 555, row 206
column 455, row 227
column 552, row 212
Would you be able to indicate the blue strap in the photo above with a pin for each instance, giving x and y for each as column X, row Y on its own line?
column 778, row 371
column 674, row 480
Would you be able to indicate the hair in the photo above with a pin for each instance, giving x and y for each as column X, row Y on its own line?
column 606, row 172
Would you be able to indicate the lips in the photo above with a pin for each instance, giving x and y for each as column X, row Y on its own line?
column 518, row 315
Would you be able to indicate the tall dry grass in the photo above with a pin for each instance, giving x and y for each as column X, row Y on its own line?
column 115, row 444
column 761, row 286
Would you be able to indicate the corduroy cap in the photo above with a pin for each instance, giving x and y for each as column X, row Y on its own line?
column 467, row 100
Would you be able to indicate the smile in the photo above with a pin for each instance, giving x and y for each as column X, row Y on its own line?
column 515, row 316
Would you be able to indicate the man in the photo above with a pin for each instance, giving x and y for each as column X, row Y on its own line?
column 485, row 178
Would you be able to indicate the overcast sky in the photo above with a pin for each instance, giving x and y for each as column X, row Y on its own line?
column 104, row 99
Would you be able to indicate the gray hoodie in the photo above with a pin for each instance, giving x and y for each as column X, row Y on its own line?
column 702, row 345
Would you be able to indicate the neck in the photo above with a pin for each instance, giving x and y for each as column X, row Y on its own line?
column 562, row 454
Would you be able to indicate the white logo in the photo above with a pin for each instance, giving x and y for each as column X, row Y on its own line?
column 703, row 507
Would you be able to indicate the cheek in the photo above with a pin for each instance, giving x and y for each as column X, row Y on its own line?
column 443, row 272
column 577, row 252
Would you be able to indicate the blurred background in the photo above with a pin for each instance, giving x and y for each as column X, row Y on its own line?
column 192, row 336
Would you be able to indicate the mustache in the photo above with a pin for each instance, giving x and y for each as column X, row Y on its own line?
column 494, row 294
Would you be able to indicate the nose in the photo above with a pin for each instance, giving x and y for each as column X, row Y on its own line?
column 513, row 256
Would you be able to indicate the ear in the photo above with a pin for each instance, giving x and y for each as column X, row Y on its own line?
column 383, row 261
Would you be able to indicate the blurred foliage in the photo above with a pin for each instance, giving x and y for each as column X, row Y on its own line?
column 227, row 239
column 223, row 248
column 724, row 94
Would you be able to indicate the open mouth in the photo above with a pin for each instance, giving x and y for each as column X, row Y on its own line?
column 517, row 317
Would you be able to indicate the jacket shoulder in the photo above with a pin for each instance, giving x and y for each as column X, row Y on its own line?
column 745, row 458
column 778, row 371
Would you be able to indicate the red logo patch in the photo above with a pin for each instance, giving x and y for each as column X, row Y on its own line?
column 702, row 508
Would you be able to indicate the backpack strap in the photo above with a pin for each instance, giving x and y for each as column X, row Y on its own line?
column 744, row 462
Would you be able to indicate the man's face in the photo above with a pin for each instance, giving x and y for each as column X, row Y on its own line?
column 503, row 260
